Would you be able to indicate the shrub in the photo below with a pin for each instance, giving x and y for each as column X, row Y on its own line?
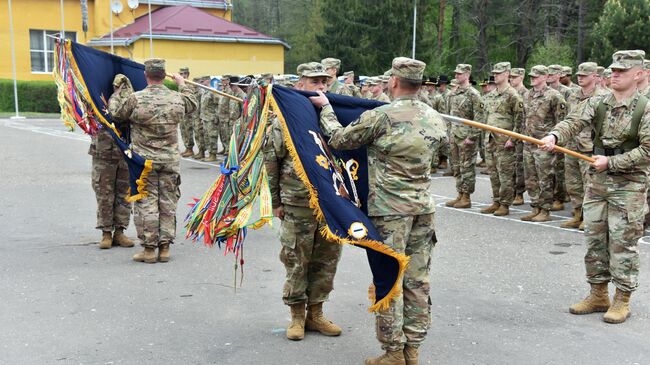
column 33, row 96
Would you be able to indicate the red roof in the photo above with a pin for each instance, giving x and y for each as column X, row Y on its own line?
column 187, row 21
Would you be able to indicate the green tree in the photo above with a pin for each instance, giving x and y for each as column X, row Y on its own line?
column 551, row 51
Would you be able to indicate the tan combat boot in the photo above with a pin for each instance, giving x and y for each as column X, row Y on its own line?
column 448, row 173
column 453, row 201
column 148, row 255
column 519, row 200
column 107, row 240
column 491, row 209
column 596, row 301
column 575, row 221
column 503, row 210
column 557, row 205
column 620, row 309
column 528, row 217
column 317, row 322
column 443, row 163
column 434, row 170
column 582, row 225
column 464, row 202
column 121, row 239
column 163, row 252
column 187, row 153
column 211, row 158
column 296, row 330
column 199, row 155
column 411, row 355
column 543, row 216
column 389, row 358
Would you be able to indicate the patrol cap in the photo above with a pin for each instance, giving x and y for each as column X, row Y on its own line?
column 388, row 73
column 587, row 68
column 384, row 78
column 225, row 77
column 501, row 67
column 372, row 81
column 330, row 62
column 408, row 68
column 518, row 71
column 625, row 60
column 646, row 64
column 184, row 69
column 567, row 71
column 554, row 69
column 154, row 65
column 311, row 69
column 204, row 78
column 607, row 73
column 462, row 68
column 348, row 73
column 600, row 70
column 267, row 75
column 538, row 70
column 453, row 82
column 442, row 79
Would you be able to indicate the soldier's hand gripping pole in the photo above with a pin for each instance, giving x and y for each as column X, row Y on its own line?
column 210, row 89
column 512, row 134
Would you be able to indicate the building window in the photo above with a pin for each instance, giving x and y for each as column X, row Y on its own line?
column 41, row 48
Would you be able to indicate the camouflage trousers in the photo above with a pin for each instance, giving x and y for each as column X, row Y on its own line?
column 211, row 128
column 520, row 177
column 187, row 131
column 155, row 214
column 110, row 180
column 225, row 132
column 481, row 146
column 199, row 133
column 441, row 149
column 409, row 316
column 559, row 189
column 574, row 177
column 501, row 165
column 464, row 166
column 310, row 260
column 614, row 209
column 539, row 168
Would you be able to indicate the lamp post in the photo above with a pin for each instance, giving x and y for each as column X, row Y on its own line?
column 13, row 61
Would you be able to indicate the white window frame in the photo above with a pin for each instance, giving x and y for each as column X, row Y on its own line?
column 44, row 51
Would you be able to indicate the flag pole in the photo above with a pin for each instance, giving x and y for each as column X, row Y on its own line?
column 150, row 32
column 415, row 16
column 13, row 61
column 211, row 89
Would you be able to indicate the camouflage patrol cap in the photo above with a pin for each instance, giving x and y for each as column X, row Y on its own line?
column 372, row 81
column 184, row 69
column 311, row 69
column 554, row 69
column 567, row 71
column 600, row 70
column 625, row 60
column 501, row 67
column 204, row 78
column 453, row 83
column 388, row 73
column 226, row 76
column 267, row 75
column 384, row 78
column 607, row 73
column 462, row 68
column 348, row 73
column 331, row 63
column 517, row 71
column 646, row 64
column 154, row 65
column 538, row 70
column 408, row 68
column 587, row 68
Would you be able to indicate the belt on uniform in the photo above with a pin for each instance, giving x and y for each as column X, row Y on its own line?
column 608, row 151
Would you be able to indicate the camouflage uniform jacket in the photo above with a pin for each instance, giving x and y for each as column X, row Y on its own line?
column 503, row 109
column 575, row 103
column 521, row 90
column 209, row 105
column 615, row 130
column 465, row 103
column 381, row 97
column 286, row 187
column 437, row 102
column 236, row 107
column 564, row 90
column 154, row 114
column 102, row 146
column 340, row 88
column 400, row 137
column 223, row 111
column 543, row 109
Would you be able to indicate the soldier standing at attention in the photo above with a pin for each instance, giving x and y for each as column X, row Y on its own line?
column 154, row 114
column 559, row 194
column 187, row 126
column 465, row 103
column 565, row 78
column 223, row 114
column 310, row 260
column 236, row 107
column 209, row 106
column 615, row 197
column 377, row 91
column 349, row 82
column 110, row 179
column 543, row 108
column 503, row 109
column 517, row 81
column 400, row 137
column 332, row 66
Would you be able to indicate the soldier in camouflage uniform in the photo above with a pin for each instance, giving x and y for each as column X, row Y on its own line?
column 517, row 81
column 110, row 180
column 223, row 114
column 615, row 196
column 209, row 106
column 544, row 108
column 187, row 126
column 377, row 90
column 309, row 259
column 154, row 114
column 646, row 92
column 439, row 103
column 565, row 78
column 575, row 169
column 332, row 67
column 198, row 126
column 235, row 106
column 464, row 102
column 349, row 82
column 559, row 194
column 503, row 109
column 400, row 137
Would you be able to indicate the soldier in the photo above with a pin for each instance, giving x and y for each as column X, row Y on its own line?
column 642, row 85
column 154, row 114
column 197, row 126
column 365, row 88
column 503, row 109
column 517, row 81
column 310, row 260
column 465, row 102
column 236, row 107
column 332, row 67
column 209, row 107
column 383, row 81
column 350, row 83
column 187, row 132
column 377, row 91
column 565, row 78
column 606, row 79
column 266, row 79
column 543, row 108
column 110, row 180
column 400, row 137
column 615, row 195
column 223, row 115
column 559, row 193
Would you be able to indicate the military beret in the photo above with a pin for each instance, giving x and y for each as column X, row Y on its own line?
column 331, row 62
column 462, row 68
column 154, row 65
column 501, row 67
column 587, row 68
column 312, row 69
column 538, row 70
column 624, row 60
column 408, row 68
column 567, row 71
column 554, row 69
column 517, row 72
column 184, row 69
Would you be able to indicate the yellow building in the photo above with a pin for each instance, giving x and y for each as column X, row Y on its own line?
column 194, row 33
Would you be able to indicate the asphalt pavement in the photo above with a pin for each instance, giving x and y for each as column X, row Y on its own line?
column 500, row 287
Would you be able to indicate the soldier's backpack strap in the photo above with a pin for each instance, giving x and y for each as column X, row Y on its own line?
column 632, row 140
